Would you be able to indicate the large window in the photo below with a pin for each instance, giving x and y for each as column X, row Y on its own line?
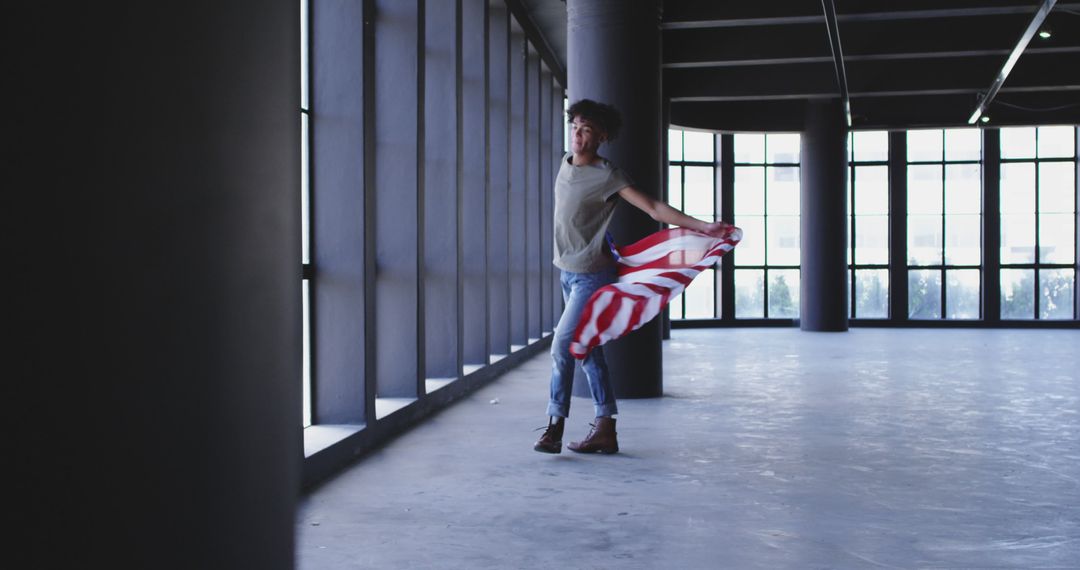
column 916, row 223
column 1038, row 223
column 305, row 199
column 692, row 189
column 944, row 214
column 868, row 211
column 766, row 206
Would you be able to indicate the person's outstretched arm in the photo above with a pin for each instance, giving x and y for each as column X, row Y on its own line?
column 662, row 212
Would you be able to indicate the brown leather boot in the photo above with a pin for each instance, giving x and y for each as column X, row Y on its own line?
column 601, row 438
column 551, row 441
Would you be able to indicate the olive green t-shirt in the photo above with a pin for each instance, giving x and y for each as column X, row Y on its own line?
column 584, row 204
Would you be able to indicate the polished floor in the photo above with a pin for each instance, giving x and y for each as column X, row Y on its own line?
column 772, row 448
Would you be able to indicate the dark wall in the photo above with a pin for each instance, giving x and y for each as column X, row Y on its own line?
column 151, row 200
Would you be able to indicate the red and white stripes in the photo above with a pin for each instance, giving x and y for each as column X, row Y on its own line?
column 651, row 272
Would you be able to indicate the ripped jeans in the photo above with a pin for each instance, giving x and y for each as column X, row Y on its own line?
column 576, row 289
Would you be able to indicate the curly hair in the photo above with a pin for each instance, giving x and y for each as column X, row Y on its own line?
column 605, row 116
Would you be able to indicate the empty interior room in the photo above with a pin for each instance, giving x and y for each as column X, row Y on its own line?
column 292, row 286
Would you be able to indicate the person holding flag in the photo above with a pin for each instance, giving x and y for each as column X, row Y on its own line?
column 586, row 191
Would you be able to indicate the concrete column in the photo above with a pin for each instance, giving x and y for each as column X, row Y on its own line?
column 441, row 192
column 548, row 161
column 498, row 179
column 153, row 383
column 337, row 137
column 516, row 193
column 613, row 56
column 823, row 291
column 398, row 196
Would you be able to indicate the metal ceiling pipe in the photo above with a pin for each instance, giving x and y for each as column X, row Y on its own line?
column 1033, row 26
column 829, row 8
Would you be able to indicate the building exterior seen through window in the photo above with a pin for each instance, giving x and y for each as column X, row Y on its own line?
column 868, row 219
column 943, row 219
column 944, row 213
column 1038, row 222
column 692, row 188
column 766, row 201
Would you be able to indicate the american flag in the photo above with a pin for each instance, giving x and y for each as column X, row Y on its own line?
column 651, row 273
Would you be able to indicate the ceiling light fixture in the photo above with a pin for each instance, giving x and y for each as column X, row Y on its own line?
column 985, row 118
column 1045, row 33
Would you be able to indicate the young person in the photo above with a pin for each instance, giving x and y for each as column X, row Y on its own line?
column 586, row 190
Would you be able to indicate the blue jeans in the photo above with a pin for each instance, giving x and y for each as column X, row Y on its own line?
column 576, row 289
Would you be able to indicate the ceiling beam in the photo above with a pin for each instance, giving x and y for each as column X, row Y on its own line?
column 1033, row 27
column 867, row 17
column 829, row 7
column 1039, row 71
column 860, row 58
column 864, row 94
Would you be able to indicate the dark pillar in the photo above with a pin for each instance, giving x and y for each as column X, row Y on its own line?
column 823, row 293
column 152, row 381
column 898, row 275
column 398, row 196
column 613, row 56
column 441, row 191
column 338, row 290
column 991, row 251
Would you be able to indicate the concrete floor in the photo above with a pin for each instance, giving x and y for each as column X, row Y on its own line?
column 772, row 448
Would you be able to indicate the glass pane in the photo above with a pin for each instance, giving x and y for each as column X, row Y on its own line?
column 675, row 187
column 1018, row 188
column 750, row 147
column 962, row 294
column 1018, row 238
column 1018, row 142
column 699, row 192
column 924, row 294
column 749, row 190
column 783, row 293
column 676, row 307
column 924, row 145
column 305, row 190
column 1057, row 236
column 782, row 148
column 963, row 239
column 304, row 57
column 699, row 146
column 1056, row 299
column 1057, row 142
column 1057, row 187
column 783, row 190
column 872, row 293
column 674, row 145
column 871, row 239
column 783, row 240
column 963, row 189
column 700, row 296
column 924, row 189
column 871, row 145
column 306, row 362
column 1017, row 294
column 871, row 190
column 749, row 293
column 963, row 144
column 751, row 250
column 924, row 240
